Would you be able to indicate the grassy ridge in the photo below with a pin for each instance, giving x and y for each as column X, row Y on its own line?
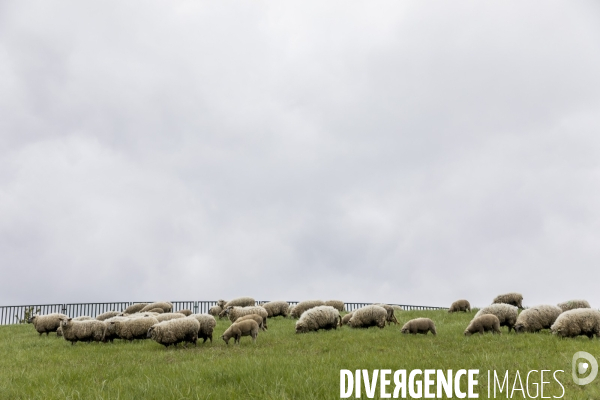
column 282, row 365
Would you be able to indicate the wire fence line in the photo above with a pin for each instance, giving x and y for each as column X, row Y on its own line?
column 14, row 314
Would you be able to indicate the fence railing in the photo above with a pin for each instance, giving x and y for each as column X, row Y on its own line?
column 13, row 314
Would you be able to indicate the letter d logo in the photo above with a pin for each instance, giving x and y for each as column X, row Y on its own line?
column 582, row 367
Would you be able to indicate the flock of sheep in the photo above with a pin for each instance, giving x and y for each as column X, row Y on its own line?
column 158, row 322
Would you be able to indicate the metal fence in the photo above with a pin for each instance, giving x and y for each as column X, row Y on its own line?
column 14, row 314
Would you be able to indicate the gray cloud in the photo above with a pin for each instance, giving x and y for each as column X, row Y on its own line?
column 399, row 152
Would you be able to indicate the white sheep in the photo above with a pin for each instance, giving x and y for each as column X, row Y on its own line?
column 368, row 316
column 175, row 331
column 276, row 308
column 207, row 326
column 580, row 321
column 166, row 306
column 507, row 314
column 238, row 329
column 305, row 305
column 82, row 331
column 514, row 299
column 321, row 317
column 236, row 312
column 573, row 304
column 46, row 323
column 536, row 318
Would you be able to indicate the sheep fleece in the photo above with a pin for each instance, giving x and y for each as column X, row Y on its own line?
column 305, row 305
column 581, row 321
column 460, row 305
column 419, row 325
column 506, row 313
column 514, row 299
column 536, row 318
column 175, row 331
column 368, row 316
column 483, row 323
column 321, row 317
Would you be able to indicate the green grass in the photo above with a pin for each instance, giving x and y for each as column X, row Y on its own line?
column 282, row 365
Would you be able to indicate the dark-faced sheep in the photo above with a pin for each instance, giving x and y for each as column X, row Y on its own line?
column 239, row 329
column 484, row 323
column 460, row 305
column 419, row 325
column 536, row 318
column 514, row 299
column 506, row 313
column 573, row 323
column 321, row 317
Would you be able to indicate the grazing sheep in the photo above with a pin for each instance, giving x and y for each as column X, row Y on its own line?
column 110, row 333
column 255, row 317
column 368, row 316
column 337, row 304
column 185, row 312
column 82, row 331
column 580, row 321
column 460, row 305
column 241, row 302
column 168, row 316
column 134, row 308
column 536, row 318
column 107, row 315
column 276, row 308
column 165, row 306
column 514, row 299
column 221, row 303
column 390, row 313
column 506, row 313
column 346, row 318
column 46, row 323
column 573, row 305
column 321, row 317
column 215, row 311
column 235, row 312
column 133, row 328
column 239, row 329
column 305, row 305
column 175, row 331
column 484, row 323
column 419, row 325
column 207, row 326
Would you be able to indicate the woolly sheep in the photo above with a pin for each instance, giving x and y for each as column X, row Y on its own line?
column 133, row 328
column 290, row 311
column 397, row 308
column 46, row 323
column 110, row 333
column 163, row 305
column 157, row 311
column 580, row 321
column 185, row 312
column 241, row 302
column 390, row 313
column 134, row 308
column 175, row 331
column 460, row 305
column 83, row 318
column 368, row 316
column 536, row 318
column 419, row 325
column 215, row 311
column 346, row 318
column 506, row 313
column 207, row 326
column 573, row 304
column 107, row 315
column 305, row 305
column 255, row 317
column 483, row 323
column 82, row 331
column 337, row 304
column 276, row 308
column 168, row 316
column 239, row 329
column 321, row 317
column 235, row 312
column 514, row 299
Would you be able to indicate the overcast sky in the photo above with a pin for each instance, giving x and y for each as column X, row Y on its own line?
column 400, row 152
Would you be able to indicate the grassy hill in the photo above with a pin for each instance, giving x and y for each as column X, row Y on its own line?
column 282, row 364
